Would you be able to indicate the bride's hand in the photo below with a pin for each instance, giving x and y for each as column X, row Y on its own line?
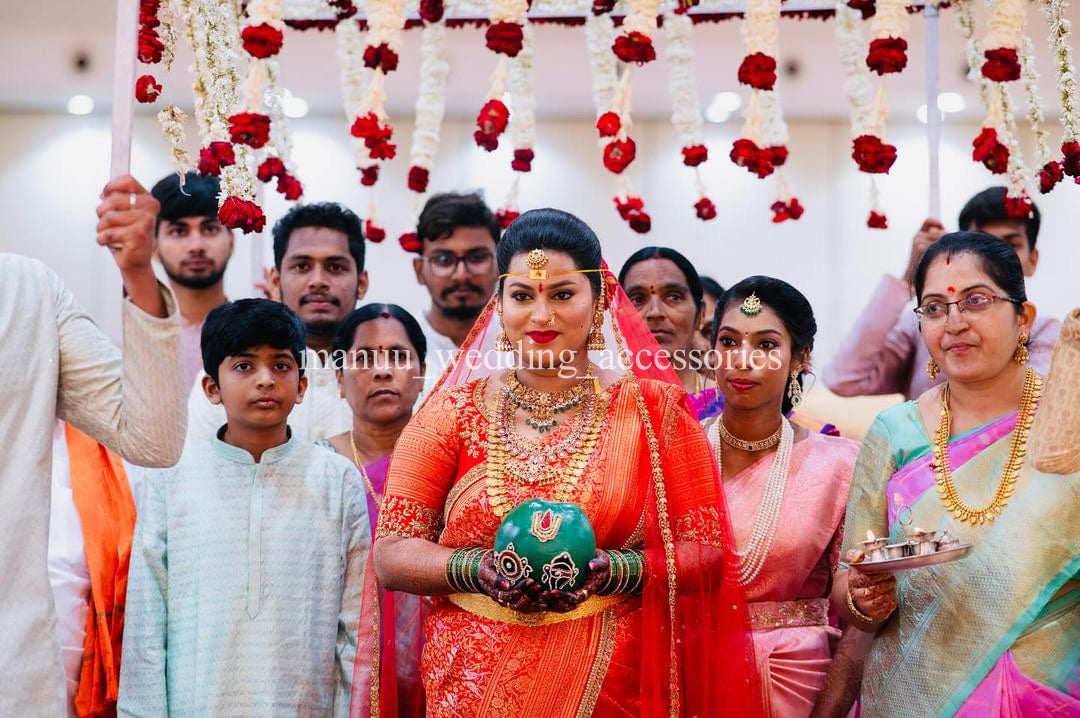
column 522, row 596
column 563, row 601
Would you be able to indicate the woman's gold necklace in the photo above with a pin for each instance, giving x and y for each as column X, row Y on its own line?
column 542, row 405
column 746, row 445
column 498, row 463
column 1017, row 451
column 363, row 473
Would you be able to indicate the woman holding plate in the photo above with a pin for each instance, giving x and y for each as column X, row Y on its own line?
column 996, row 633
column 556, row 395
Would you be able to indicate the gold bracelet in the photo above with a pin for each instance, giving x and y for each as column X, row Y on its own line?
column 856, row 612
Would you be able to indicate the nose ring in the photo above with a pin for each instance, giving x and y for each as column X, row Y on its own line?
column 551, row 321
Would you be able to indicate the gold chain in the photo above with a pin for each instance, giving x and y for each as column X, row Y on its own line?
column 363, row 473
column 1017, row 451
column 749, row 445
column 543, row 405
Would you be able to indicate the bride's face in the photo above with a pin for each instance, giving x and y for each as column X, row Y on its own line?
column 548, row 321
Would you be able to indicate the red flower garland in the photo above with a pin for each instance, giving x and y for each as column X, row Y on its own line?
column 1050, row 175
column 505, row 217
column 249, row 128
column 705, row 209
column 758, row 70
column 241, row 214
column 410, row 242
column 746, row 153
column 608, row 124
column 369, row 175
column 270, row 168
column 522, row 161
column 776, row 155
column 262, row 41
column 491, row 122
column 887, row 54
column 1018, row 207
column 990, row 151
column 782, row 211
column 506, row 38
column 877, row 220
column 1002, row 65
column 602, row 7
column 634, row 47
column 431, row 11
column 376, row 138
column 632, row 210
column 214, row 157
column 418, row 179
column 289, row 186
column 1070, row 165
column 618, row 154
column 868, row 8
column 694, row 155
column 376, row 56
column 872, row 155
column 373, row 232
column 147, row 89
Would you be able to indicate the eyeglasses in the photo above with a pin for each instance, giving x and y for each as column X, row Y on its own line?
column 444, row 264
column 976, row 303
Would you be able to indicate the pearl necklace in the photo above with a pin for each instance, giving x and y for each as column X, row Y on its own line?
column 752, row 558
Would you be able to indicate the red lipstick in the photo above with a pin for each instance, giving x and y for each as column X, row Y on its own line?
column 539, row 337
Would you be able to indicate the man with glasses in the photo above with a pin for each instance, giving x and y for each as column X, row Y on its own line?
column 457, row 234
column 884, row 353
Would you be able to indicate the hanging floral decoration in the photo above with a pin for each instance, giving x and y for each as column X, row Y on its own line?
column 1005, row 28
column 1065, row 70
column 888, row 45
column 226, row 135
column 871, row 153
column 156, row 43
column 505, row 37
column 522, row 125
column 686, row 109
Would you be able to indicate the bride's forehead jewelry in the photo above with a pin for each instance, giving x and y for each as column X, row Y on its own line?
column 537, row 263
column 751, row 306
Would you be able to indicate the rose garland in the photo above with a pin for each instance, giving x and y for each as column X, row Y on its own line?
column 635, row 44
column 888, row 47
column 505, row 36
column 1061, row 46
column 522, row 124
column 762, row 143
column 760, row 47
column 215, row 40
column 156, row 42
column 386, row 20
column 1050, row 172
column 686, row 110
column 869, row 149
column 611, row 96
column 262, row 39
column 1005, row 28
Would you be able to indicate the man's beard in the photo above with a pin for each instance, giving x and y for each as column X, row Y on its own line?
column 203, row 282
column 323, row 329
column 467, row 312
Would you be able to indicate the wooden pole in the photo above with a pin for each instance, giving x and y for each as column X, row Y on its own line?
column 123, row 95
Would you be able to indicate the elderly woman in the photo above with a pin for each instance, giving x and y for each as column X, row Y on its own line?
column 993, row 634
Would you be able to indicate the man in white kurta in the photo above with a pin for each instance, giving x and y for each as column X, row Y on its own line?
column 54, row 362
column 245, row 584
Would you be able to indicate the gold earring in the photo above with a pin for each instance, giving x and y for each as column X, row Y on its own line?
column 340, row 393
column 596, row 341
column 1020, row 356
column 502, row 342
column 932, row 369
column 794, row 391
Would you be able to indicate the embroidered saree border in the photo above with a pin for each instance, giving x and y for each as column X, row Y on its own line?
column 483, row 606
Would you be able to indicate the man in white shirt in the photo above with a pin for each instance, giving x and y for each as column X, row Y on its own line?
column 194, row 249
column 457, row 234
column 319, row 274
column 55, row 363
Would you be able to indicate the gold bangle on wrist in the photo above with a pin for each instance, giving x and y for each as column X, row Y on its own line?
column 856, row 612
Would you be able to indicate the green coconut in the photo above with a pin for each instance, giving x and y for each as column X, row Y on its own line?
column 550, row 542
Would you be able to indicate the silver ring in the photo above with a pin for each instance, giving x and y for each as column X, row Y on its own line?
column 132, row 199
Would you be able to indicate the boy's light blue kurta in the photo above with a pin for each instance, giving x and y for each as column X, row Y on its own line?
column 245, row 584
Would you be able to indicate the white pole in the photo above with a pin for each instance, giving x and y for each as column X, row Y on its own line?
column 123, row 95
column 933, row 115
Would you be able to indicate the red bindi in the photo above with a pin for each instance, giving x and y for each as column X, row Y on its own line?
column 541, row 287
column 952, row 289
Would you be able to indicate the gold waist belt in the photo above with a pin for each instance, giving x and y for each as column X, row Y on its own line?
column 484, row 606
column 789, row 614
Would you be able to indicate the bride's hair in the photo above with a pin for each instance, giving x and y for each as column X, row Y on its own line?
column 554, row 230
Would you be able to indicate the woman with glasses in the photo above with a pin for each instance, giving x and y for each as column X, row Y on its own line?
column 995, row 633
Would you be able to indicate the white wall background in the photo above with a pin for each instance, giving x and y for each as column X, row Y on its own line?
column 52, row 168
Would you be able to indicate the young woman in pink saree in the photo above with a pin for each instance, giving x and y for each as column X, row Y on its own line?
column 671, row 638
column 786, row 487
column 997, row 633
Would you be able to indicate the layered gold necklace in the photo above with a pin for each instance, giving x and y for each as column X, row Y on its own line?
column 543, row 405
column 1017, row 451
column 537, row 463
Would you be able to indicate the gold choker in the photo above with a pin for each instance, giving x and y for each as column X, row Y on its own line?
column 744, row 445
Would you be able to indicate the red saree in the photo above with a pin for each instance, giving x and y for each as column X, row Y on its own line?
column 681, row 648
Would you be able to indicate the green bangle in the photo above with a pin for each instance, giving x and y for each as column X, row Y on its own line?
column 626, row 572
column 463, row 569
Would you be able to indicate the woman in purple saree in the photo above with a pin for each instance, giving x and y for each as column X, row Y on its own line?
column 998, row 632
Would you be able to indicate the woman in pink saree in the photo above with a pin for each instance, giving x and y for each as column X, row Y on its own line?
column 786, row 487
column 997, row 633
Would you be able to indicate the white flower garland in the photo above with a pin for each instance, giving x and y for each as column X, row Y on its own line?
column 1005, row 24
column 508, row 11
column 685, row 106
column 168, row 15
column 1061, row 46
column 772, row 130
column 431, row 95
column 308, row 10
column 641, row 17
column 1036, row 111
column 522, row 97
column 760, row 28
column 858, row 85
column 599, row 35
column 890, row 20
column 386, row 20
column 350, row 51
column 172, row 120
column 214, row 32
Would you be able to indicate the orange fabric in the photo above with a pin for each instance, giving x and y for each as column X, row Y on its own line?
column 102, row 496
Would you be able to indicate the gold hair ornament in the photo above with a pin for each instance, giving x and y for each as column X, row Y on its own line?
column 751, row 306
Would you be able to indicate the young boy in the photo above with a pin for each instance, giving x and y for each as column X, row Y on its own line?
column 247, row 564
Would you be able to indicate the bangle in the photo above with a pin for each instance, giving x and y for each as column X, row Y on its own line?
column 625, row 574
column 856, row 612
column 463, row 569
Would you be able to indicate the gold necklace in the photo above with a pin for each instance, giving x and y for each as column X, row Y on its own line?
column 363, row 472
column 542, row 405
column 1017, row 451
column 566, row 477
column 755, row 445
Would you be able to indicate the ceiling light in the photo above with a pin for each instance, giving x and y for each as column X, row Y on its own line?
column 80, row 105
column 292, row 105
column 921, row 114
column 723, row 106
column 951, row 102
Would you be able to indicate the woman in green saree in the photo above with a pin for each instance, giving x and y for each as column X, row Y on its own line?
column 998, row 632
